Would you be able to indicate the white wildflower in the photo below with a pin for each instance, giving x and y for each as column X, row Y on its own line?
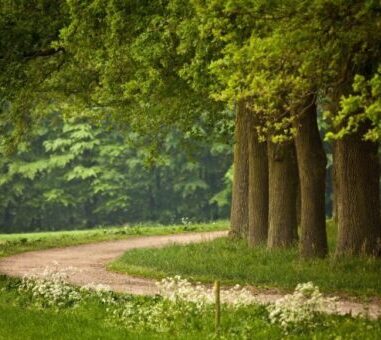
column 301, row 307
column 50, row 289
column 176, row 288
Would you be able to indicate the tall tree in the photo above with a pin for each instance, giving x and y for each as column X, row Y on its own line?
column 283, row 186
column 312, row 174
column 258, row 204
column 239, row 216
column 358, row 206
column 353, row 46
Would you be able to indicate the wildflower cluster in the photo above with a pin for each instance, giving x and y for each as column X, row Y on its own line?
column 179, row 302
column 50, row 289
column 99, row 291
column 301, row 308
column 158, row 315
column 176, row 288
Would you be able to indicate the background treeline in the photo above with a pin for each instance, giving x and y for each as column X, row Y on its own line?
column 280, row 65
column 76, row 174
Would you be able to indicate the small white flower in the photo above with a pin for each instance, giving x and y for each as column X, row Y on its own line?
column 300, row 307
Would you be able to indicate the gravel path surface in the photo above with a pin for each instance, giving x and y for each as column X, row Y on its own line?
column 88, row 263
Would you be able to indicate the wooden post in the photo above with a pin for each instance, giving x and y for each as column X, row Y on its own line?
column 218, row 305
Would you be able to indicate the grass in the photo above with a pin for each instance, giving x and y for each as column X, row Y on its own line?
column 16, row 243
column 90, row 320
column 234, row 262
column 231, row 261
column 20, row 321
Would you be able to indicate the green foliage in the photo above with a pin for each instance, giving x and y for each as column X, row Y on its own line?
column 88, row 177
column 363, row 107
column 75, row 174
column 277, row 56
column 27, row 60
column 160, row 65
column 133, row 56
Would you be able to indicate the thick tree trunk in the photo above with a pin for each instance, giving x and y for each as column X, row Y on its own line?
column 312, row 173
column 298, row 206
column 283, row 179
column 7, row 219
column 258, row 187
column 239, row 216
column 335, row 196
column 358, row 200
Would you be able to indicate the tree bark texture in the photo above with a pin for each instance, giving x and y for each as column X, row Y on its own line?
column 335, row 188
column 239, row 216
column 283, row 180
column 258, row 187
column 298, row 206
column 358, row 196
column 312, row 174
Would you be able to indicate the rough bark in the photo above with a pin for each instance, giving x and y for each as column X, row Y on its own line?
column 239, row 216
column 312, row 173
column 335, row 196
column 358, row 200
column 258, row 187
column 298, row 206
column 283, row 180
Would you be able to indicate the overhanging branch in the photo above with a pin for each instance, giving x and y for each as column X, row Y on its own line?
column 41, row 53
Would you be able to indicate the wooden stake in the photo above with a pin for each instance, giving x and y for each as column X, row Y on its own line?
column 218, row 305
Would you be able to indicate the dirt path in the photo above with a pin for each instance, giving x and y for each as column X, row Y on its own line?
column 89, row 261
column 89, row 266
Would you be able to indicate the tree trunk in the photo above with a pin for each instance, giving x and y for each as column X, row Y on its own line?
column 7, row 219
column 239, row 209
column 258, row 187
column 298, row 206
column 283, row 181
column 312, row 172
column 335, row 196
column 357, row 175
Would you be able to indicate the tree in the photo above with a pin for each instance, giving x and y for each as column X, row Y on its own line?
column 351, row 45
column 77, row 174
column 239, row 215
column 312, row 174
column 258, row 204
column 358, row 132
column 27, row 60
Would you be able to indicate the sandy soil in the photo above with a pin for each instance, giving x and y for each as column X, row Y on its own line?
column 88, row 266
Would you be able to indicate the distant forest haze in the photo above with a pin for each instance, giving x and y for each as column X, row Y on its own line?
column 74, row 174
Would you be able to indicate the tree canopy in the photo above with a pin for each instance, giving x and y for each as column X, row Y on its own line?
column 294, row 72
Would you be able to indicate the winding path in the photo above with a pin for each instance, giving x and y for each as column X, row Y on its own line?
column 88, row 263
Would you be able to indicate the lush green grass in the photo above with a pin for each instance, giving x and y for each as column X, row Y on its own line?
column 20, row 319
column 234, row 262
column 16, row 243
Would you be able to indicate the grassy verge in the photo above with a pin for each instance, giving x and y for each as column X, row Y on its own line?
column 17, row 243
column 234, row 262
column 92, row 319
column 21, row 320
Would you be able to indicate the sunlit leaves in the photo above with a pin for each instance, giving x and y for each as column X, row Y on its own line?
column 363, row 107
